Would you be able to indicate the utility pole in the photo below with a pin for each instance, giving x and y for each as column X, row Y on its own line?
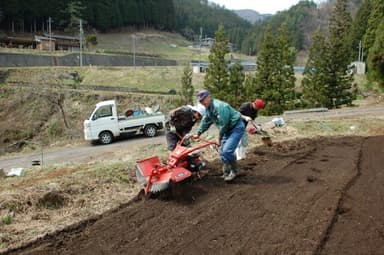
column 134, row 50
column 359, row 51
column 81, row 43
column 200, row 38
column 50, row 33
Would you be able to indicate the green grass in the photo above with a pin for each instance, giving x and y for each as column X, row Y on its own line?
column 362, row 82
column 7, row 219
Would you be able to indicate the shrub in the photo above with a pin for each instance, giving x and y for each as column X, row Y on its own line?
column 55, row 129
column 7, row 219
column 172, row 92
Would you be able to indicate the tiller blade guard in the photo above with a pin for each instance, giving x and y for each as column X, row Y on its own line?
column 156, row 177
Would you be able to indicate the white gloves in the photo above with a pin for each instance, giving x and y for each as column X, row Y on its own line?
column 246, row 118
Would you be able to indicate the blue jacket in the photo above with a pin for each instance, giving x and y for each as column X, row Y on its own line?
column 222, row 115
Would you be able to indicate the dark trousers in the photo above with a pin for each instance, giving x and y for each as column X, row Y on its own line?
column 172, row 140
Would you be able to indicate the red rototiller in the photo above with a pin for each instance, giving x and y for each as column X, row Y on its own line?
column 181, row 163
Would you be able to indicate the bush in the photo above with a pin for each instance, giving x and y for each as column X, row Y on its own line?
column 55, row 129
column 91, row 40
column 172, row 92
column 7, row 219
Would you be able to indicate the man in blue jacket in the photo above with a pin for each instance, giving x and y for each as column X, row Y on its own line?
column 231, row 129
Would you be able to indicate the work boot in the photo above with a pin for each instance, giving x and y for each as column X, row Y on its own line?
column 233, row 172
column 226, row 170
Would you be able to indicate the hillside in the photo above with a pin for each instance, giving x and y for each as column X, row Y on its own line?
column 251, row 15
column 184, row 17
column 55, row 115
column 149, row 42
column 26, row 90
column 302, row 19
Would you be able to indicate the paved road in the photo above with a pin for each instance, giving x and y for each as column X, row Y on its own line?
column 87, row 152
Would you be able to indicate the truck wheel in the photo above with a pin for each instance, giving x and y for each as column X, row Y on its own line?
column 150, row 130
column 105, row 137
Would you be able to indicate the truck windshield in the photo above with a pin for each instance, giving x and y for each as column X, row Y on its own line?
column 103, row 111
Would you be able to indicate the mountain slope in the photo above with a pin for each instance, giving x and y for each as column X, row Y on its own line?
column 251, row 15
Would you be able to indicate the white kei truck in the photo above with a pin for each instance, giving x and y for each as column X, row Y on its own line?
column 104, row 125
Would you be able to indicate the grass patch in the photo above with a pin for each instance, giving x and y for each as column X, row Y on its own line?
column 55, row 129
column 7, row 219
column 86, row 189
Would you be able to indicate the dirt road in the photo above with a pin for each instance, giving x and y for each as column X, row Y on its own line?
column 78, row 154
column 322, row 196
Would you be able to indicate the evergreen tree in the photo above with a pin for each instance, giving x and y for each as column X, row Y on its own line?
column 359, row 27
column 251, row 91
column 340, row 82
column 216, row 78
column 71, row 16
column 169, row 15
column 376, row 57
column 301, row 19
column 187, row 89
column 372, row 42
column 101, row 14
column 265, row 82
column 314, row 83
column 190, row 15
column 275, row 78
column 235, row 91
column 375, row 17
column 287, row 74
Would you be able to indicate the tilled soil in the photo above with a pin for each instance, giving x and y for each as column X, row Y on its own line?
column 321, row 196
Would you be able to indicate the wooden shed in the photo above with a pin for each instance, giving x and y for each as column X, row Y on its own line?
column 65, row 42
column 45, row 43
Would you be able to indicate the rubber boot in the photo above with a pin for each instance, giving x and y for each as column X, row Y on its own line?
column 226, row 170
column 233, row 172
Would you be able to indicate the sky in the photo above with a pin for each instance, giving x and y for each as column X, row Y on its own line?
column 261, row 6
